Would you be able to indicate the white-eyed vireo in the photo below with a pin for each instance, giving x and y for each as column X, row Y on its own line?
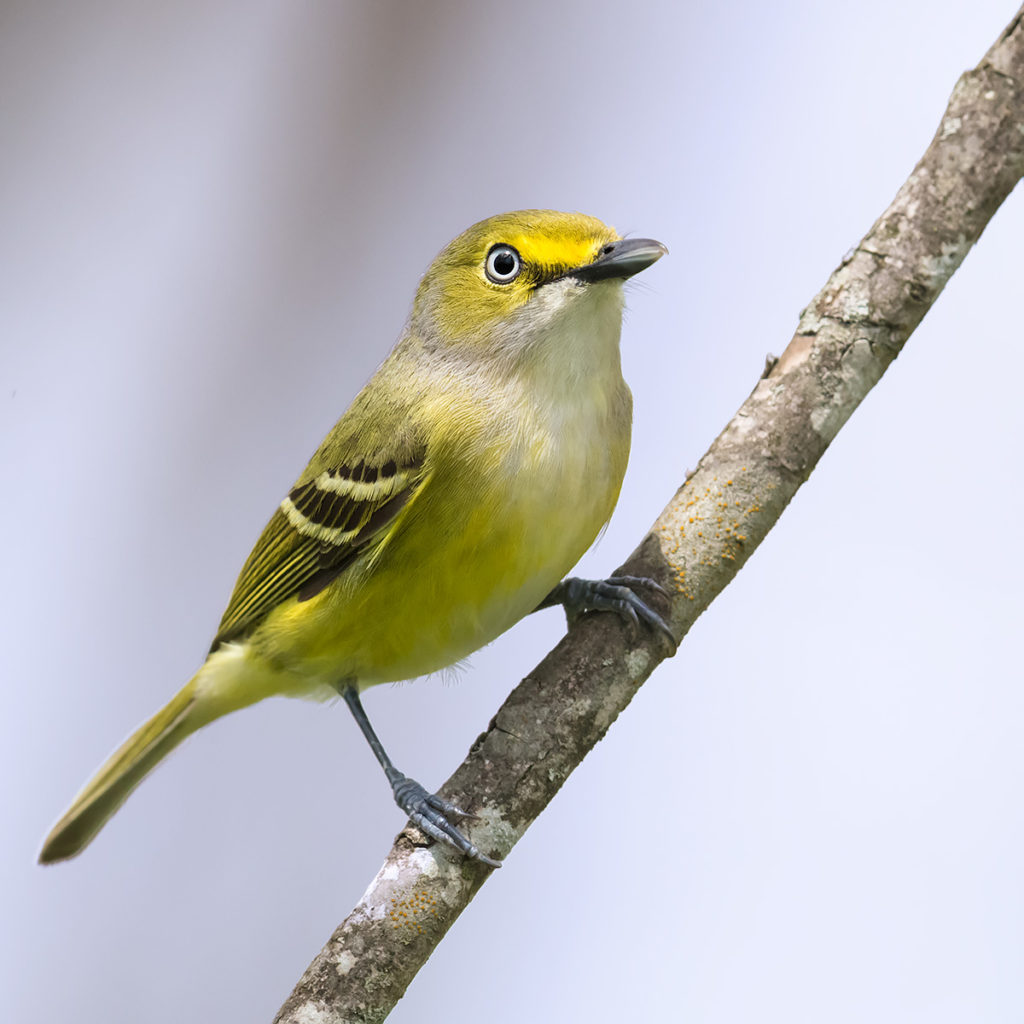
column 465, row 480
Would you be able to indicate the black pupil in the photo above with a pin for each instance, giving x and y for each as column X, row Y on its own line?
column 504, row 263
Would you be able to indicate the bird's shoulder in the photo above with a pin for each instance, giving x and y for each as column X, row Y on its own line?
column 347, row 499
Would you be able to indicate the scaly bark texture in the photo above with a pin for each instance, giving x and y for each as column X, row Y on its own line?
column 851, row 331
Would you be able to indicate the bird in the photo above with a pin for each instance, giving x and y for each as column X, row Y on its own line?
column 466, row 479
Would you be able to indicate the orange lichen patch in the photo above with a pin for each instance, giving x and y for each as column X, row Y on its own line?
column 410, row 912
column 709, row 530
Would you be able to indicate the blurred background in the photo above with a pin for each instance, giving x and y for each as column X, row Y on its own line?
column 213, row 217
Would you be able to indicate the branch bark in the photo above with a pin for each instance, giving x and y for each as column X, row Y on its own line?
column 845, row 339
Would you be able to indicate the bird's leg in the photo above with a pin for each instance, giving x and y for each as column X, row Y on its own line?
column 426, row 811
column 615, row 594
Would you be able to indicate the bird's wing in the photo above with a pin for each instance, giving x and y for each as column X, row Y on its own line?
column 344, row 502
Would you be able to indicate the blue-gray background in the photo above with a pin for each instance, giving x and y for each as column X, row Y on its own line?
column 212, row 220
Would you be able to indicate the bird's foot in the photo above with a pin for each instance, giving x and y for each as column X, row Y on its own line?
column 431, row 814
column 615, row 594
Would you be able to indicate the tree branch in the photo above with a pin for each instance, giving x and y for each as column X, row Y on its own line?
column 846, row 338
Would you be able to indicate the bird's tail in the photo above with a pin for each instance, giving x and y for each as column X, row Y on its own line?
column 122, row 772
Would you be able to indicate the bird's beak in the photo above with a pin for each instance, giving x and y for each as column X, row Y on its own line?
column 620, row 259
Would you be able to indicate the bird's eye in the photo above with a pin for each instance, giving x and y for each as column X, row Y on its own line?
column 503, row 264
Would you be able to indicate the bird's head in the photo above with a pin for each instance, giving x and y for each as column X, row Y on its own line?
column 506, row 278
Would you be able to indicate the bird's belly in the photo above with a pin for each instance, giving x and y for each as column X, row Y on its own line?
column 498, row 565
column 527, row 551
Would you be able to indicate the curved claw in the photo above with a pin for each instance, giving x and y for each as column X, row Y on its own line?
column 442, row 805
column 615, row 594
column 429, row 812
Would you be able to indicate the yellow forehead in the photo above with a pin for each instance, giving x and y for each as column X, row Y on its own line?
column 542, row 237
